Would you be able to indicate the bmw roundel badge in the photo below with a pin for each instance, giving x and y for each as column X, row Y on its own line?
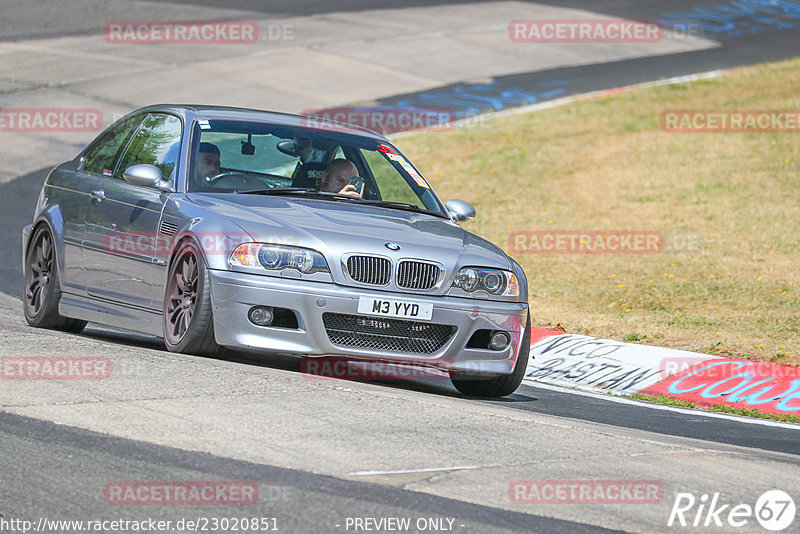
column 392, row 246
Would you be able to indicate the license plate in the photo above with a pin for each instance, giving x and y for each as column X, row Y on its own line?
column 402, row 309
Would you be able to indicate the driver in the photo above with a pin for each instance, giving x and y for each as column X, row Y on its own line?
column 336, row 175
column 208, row 163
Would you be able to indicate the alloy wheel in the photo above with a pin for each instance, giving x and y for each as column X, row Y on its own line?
column 38, row 275
column 182, row 299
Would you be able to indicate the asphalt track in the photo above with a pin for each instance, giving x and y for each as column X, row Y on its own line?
column 85, row 17
column 746, row 43
column 64, row 467
column 54, row 470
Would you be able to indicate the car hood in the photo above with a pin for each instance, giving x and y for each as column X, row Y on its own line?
column 335, row 228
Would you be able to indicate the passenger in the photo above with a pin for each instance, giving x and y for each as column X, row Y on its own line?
column 335, row 178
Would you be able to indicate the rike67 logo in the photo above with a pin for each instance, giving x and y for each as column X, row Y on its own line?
column 774, row 510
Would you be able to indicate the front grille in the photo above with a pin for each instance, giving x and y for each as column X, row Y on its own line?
column 391, row 335
column 417, row 275
column 372, row 270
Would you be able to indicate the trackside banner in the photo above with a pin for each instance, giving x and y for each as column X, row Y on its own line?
column 736, row 383
column 589, row 363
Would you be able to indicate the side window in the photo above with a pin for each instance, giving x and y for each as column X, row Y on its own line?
column 156, row 142
column 391, row 184
column 100, row 158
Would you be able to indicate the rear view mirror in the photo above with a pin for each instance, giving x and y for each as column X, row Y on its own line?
column 297, row 147
column 248, row 148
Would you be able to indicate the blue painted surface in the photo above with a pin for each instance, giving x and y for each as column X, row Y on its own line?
column 742, row 387
column 736, row 19
column 469, row 100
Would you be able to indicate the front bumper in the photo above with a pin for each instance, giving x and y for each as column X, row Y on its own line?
column 234, row 293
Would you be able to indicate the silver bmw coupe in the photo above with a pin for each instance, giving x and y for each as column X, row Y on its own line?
column 221, row 227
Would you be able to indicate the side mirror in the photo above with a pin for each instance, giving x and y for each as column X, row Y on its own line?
column 460, row 211
column 145, row 175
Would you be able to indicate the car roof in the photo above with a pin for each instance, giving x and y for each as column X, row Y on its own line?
column 309, row 121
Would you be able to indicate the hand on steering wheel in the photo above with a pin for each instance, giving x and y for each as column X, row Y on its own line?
column 213, row 179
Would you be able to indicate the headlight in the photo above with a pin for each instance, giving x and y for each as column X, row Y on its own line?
column 278, row 257
column 493, row 281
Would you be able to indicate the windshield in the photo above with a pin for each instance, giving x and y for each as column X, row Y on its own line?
column 239, row 156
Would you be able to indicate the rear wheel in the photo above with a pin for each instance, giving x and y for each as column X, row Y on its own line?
column 41, row 289
column 188, row 322
column 501, row 385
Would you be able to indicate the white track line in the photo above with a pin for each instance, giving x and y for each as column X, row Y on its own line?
column 406, row 471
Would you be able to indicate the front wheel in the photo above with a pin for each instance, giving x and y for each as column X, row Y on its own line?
column 188, row 322
column 41, row 290
column 501, row 385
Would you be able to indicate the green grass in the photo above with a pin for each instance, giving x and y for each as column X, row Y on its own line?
column 754, row 413
column 727, row 281
column 666, row 399
column 633, row 338
column 663, row 399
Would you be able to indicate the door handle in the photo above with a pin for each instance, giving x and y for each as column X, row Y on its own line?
column 98, row 196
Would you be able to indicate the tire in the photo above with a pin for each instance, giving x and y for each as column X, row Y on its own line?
column 41, row 290
column 188, row 323
column 501, row 385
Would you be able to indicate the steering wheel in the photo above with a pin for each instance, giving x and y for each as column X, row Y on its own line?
column 236, row 179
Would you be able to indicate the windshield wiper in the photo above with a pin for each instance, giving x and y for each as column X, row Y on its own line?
column 339, row 196
column 397, row 205
column 278, row 191
column 296, row 191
